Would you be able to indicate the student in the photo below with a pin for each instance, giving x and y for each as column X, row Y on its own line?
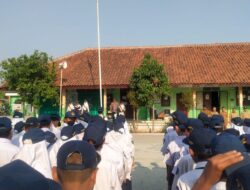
column 55, row 125
column 114, row 108
column 31, row 122
column 118, row 147
column 214, row 111
column 67, row 134
column 18, row 175
column 234, row 113
column 76, row 166
column 45, row 125
column 108, row 171
column 199, row 143
column 34, row 151
column 245, row 114
column 19, row 132
column 224, row 114
column 70, row 118
column 7, row 149
column 214, row 169
column 185, row 163
column 175, row 148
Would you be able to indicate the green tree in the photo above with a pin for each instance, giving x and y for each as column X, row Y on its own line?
column 33, row 77
column 149, row 82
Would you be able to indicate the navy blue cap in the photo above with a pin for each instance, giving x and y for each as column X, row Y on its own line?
column 17, row 114
column 247, row 122
column 89, row 157
column 179, row 117
column 85, row 117
column 232, row 132
column 5, row 124
column 192, row 124
column 217, row 121
column 226, row 142
column 44, row 120
column 70, row 114
column 118, row 125
column 204, row 118
column 96, row 132
column 237, row 121
column 120, row 118
column 18, row 175
column 109, row 125
column 19, row 126
column 78, row 128
column 33, row 135
column 239, row 179
column 200, row 140
column 32, row 122
column 50, row 137
column 55, row 117
column 67, row 133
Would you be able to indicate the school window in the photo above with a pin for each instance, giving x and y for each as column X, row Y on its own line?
column 246, row 96
column 165, row 101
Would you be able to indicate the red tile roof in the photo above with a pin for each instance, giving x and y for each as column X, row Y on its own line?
column 188, row 65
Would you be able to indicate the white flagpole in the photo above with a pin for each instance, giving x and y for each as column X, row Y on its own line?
column 99, row 51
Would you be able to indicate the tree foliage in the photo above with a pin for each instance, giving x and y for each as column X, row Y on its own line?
column 33, row 77
column 148, row 82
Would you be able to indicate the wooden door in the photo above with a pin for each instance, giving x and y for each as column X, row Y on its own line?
column 179, row 105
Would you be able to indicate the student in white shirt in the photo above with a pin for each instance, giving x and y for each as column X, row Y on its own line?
column 199, row 143
column 7, row 149
column 34, row 151
column 108, row 175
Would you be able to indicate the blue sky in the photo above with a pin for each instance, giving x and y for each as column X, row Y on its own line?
column 60, row 27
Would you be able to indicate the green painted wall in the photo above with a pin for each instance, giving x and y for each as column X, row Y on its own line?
column 227, row 99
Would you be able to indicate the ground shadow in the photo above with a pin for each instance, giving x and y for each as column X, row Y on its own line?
column 149, row 178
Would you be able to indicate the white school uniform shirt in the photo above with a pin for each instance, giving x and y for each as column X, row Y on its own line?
column 175, row 150
column 7, row 150
column 238, row 128
column 246, row 129
column 187, row 180
column 36, row 155
column 106, row 177
column 123, row 142
column 170, row 136
column 56, row 131
column 17, row 139
column 182, row 166
column 53, row 150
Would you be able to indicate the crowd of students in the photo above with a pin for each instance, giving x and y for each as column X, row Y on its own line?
column 202, row 153
column 84, row 152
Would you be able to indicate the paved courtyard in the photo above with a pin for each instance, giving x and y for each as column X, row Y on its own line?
column 150, row 172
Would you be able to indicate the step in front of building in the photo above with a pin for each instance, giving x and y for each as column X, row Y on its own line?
column 157, row 126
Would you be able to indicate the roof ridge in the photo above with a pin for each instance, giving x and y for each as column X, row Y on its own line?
column 147, row 47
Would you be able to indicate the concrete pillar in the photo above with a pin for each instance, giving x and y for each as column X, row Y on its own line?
column 63, row 101
column 194, row 103
column 240, row 98
column 105, row 102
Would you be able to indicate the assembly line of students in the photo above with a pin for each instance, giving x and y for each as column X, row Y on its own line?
column 38, row 143
column 189, row 143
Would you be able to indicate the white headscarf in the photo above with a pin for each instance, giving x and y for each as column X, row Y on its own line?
column 36, row 155
column 54, row 150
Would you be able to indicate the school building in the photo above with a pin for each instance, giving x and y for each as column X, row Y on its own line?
column 218, row 75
